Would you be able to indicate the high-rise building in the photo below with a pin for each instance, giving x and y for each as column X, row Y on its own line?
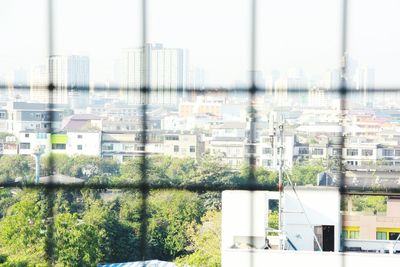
column 39, row 79
column 69, row 75
column 163, row 73
column 365, row 82
column 69, row 72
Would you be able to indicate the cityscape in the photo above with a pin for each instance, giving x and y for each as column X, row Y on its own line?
column 182, row 150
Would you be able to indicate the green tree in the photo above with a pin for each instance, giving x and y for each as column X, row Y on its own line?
column 273, row 221
column 171, row 213
column 212, row 171
column 69, row 200
column 3, row 135
column 81, row 166
column 15, row 166
column 262, row 175
column 118, row 241
column 6, row 200
column 76, row 242
column 130, row 171
column 23, row 229
column 205, row 242
column 369, row 203
column 56, row 163
column 306, row 174
column 90, row 166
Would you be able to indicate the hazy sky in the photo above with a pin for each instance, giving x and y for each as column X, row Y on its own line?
column 291, row 34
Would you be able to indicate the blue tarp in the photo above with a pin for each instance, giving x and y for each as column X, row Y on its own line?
column 151, row 263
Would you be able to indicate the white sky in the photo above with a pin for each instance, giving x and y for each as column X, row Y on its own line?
column 292, row 34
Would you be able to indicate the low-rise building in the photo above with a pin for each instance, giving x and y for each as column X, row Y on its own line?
column 183, row 144
column 373, row 225
column 23, row 116
column 230, row 149
column 8, row 145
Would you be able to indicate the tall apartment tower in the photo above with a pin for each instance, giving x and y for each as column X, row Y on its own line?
column 365, row 81
column 163, row 73
column 69, row 72
column 69, row 75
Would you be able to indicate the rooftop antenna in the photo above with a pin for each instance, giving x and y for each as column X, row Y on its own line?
column 278, row 133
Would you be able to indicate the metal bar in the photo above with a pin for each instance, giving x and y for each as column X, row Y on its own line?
column 193, row 187
column 257, row 89
column 343, row 94
column 49, row 192
column 144, row 89
column 252, row 113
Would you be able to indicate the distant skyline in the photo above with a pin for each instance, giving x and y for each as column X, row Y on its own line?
column 292, row 35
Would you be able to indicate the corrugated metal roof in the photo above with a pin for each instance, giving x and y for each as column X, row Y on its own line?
column 150, row 263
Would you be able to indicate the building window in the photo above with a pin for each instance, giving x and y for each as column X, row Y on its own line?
column 381, row 236
column 397, row 153
column 266, row 150
column 336, row 151
column 251, row 149
column 393, row 235
column 128, row 147
column 318, row 151
column 3, row 115
column 176, row 148
column 352, row 152
column 267, row 162
column 79, row 147
column 192, row 149
column 172, row 137
column 79, row 136
column 108, row 147
column 351, row 232
column 26, row 135
column 354, row 234
column 25, row 146
column 58, row 146
column 303, row 151
column 387, row 233
column 41, row 135
column 366, row 152
column 388, row 153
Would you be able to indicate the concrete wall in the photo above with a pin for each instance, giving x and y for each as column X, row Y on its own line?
column 90, row 142
column 393, row 208
column 244, row 214
column 322, row 206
